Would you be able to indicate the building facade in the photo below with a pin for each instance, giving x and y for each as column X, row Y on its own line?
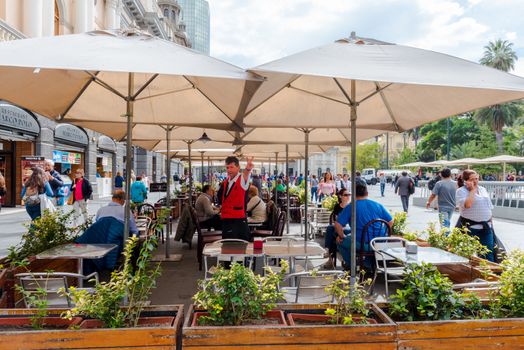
column 27, row 138
column 195, row 14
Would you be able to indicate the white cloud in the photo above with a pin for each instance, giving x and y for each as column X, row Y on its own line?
column 519, row 67
column 252, row 32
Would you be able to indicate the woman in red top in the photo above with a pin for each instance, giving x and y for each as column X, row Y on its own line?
column 81, row 192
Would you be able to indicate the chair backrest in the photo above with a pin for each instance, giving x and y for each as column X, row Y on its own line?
column 322, row 216
column 312, row 288
column 148, row 210
column 373, row 229
column 379, row 244
column 281, row 224
column 48, row 287
column 272, row 214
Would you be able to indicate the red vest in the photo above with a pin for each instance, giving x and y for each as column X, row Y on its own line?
column 234, row 202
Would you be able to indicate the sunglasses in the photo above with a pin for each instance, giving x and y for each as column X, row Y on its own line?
column 346, row 194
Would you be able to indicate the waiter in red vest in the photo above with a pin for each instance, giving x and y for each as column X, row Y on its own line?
column 234, row 199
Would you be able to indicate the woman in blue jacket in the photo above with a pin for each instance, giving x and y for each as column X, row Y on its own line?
column 31, row 191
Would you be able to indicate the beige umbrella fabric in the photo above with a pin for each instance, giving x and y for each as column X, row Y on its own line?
column 371, row 85
column 111, row 80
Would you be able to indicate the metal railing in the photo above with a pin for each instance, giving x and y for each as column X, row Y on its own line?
column 506, row 194
column 8, row 33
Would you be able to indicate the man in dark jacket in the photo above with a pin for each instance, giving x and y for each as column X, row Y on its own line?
column 53, row 177
column 404, row 187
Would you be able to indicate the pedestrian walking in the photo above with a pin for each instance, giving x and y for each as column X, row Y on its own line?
column 3, row 190
column 33, row 188
column 138, row 191
column 233, row 195
column 314, row 189
column 476, row 208
column 119, row 181
column 405, row 188
column 54, row 179
column 82, row 191
column 445, row 190
column 382, row 180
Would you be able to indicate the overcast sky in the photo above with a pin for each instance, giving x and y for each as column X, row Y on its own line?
column 251, row 32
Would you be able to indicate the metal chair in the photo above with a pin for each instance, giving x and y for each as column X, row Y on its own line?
column 143, row 224
column 310, row 289
column 320, row 222
column 50, row 285
column 226, row 258
column 373, row 229
column 383, row 262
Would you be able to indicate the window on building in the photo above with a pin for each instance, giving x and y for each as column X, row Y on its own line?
column 166, row 13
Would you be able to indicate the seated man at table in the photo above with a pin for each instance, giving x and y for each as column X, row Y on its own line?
column 208, row 216
column 367, row 210
column 116, row 209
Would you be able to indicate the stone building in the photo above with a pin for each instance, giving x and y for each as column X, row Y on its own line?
column 26, row 137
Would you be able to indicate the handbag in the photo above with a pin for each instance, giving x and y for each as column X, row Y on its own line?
column 411, row 187
column 46, row 204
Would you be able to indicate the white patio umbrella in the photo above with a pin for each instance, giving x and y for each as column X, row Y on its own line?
column 437, row 163
column 367, row 84
column 110, row 81
column 414, row 164
column 501, row 159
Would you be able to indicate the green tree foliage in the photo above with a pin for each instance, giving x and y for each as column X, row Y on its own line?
column 499, row 55
column 368, row 156
column 433, row 140
column 407, row 155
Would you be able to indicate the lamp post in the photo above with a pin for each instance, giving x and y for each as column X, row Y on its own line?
column 448, row 121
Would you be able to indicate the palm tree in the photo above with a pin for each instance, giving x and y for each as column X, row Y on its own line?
column 499, row 55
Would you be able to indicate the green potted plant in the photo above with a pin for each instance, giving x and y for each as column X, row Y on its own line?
column 349, row 305
column 399, row 223
column 129, row 286
column 237, row 296
column 329, row 202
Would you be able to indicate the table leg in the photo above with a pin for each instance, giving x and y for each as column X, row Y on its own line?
column 80, row 272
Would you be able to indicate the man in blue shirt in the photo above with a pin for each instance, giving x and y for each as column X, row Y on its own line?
column 116, row 210
column 367, row 210
column 138, row 191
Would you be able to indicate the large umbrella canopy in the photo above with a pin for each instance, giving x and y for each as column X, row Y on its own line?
column 110, row 81
column 463, row 161
column 500, row 159
column 83, row 79
column 366, row 84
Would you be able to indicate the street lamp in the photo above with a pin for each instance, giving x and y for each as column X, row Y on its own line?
column 204, row 138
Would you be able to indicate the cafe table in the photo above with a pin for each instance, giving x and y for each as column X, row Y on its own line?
column 77, row 251
column 430, row 255
column 291, row 250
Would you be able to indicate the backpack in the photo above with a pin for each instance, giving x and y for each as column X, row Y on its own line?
column 433, row 182
column 411, row 187
column 32, row 197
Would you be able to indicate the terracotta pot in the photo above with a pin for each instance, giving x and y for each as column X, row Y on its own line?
column 48, row 322
column 272, row 314
column 154, row 321
column 294, row 318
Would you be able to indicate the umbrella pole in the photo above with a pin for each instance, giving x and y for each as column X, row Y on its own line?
column 168, row 190
column 306, row 142
column 287, row 188
column 129, row 115
column 190, row 174
column 202, row 170
column 209, row 177
column 504, row 171
column 276, row 177
column 353, row 184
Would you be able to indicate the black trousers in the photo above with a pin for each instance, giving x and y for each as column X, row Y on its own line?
column 214, row 222
column 236, row 228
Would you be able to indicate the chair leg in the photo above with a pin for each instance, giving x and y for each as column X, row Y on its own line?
column 386, row 284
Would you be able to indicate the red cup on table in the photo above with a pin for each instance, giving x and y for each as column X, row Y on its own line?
column 258, row 243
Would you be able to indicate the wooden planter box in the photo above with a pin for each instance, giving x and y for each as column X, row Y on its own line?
column 461, row 334
column 126, row 338
column 380, row 336
column 9, row 296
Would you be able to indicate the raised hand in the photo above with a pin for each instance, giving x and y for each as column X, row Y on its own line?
column 249, row 165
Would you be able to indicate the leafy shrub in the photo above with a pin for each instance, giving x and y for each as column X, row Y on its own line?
column 456, row 241
column 349, row 301
column 238, row 294
column 329, row 202
column 106, row 303
column 47, row 231
column 427, row 295
column 510, row 302
column 399, row 223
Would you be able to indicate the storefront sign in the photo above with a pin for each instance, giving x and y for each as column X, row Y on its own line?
column 106, row 143
column 12, row 117
column 28, row 163
column 71, row 134
column 67, row 157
